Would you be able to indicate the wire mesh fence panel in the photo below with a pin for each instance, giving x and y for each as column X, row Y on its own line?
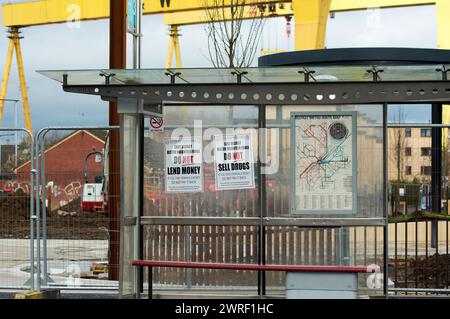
column 78, row 230
column 15, row 191
column 418, row 212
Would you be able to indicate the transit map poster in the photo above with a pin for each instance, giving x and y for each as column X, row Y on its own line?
column 324, row 158
column 233, row 157
column 183, row 165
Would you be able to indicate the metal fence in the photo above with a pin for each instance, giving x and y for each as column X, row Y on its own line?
column 17, row 202
column 76, row 220
column 65, row 243
column 418, row 215
column 419, row 245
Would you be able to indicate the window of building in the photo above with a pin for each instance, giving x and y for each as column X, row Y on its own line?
column 425, row 132
column 408, row 132
column 425, row 151
column 408, row 151
column 408, row 170
column 425, row 170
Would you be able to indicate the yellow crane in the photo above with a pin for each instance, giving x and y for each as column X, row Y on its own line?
column 310, row 22
column 310, row 18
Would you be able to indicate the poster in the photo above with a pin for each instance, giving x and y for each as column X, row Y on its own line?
column 233, row 158
column 183, row 165
column 324, row 157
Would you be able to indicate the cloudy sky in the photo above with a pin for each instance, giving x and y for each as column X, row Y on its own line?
column 62, row 47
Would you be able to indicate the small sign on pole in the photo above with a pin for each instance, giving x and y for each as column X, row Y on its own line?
column 131, row 16
column 156, row 124
column 234, row 162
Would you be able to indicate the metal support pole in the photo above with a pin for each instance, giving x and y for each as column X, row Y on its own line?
column 44, row 207
column 32, row 212
column 139, row 25
column 436, row 169
column 38, row 208
column 137, row 37
column 117, row 60
column 385, row 204
column 38, row 215
column 131, row 153
column 262, row 200
column 141, row 205
column 150, row 282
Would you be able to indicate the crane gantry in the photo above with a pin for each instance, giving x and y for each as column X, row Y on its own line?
column 310, row 19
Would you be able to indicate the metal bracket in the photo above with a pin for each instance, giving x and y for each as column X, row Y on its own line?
column 152, row 109
column 130, row 221
column 239, row 75
column 307, row 74
column 173, row 76
column 375, row 73
column 107, row 77
column 444, row 72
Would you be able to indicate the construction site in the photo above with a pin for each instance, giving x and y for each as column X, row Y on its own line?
column 283, row 167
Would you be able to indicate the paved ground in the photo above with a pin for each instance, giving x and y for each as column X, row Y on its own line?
column 65, row 257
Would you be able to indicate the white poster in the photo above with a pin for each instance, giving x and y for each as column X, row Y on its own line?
column 183, row 162
column 233, row 157
column 325, row 168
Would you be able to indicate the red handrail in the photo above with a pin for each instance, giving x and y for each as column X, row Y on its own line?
column 293, row 268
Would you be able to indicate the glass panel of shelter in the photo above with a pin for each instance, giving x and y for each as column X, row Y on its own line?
column 358, row 246
column 219, row 244
column 293, row 74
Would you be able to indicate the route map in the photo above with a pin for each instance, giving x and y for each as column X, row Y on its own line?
column 324, row 165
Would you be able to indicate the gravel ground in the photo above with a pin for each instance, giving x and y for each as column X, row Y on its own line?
column 66, row 223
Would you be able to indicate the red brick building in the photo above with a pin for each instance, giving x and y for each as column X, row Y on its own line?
column 65, row 166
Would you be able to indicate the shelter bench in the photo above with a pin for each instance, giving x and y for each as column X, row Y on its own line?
column 291, row 268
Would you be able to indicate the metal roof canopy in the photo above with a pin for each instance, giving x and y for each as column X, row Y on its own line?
column 335, row 76
column 358, row 56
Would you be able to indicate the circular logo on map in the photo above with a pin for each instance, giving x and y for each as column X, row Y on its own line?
column 338, row 131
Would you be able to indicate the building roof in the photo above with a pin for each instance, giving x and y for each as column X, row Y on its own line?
column 62, row 141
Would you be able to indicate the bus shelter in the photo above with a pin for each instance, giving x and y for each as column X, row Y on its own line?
column 265, row 165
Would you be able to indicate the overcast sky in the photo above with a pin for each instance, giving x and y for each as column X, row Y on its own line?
column 61, row 47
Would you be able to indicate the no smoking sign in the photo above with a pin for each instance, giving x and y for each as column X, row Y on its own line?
column 156, row 124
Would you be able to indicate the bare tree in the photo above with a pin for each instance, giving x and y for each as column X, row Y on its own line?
column 231, row 42
column 397, row 138
column 399, row 143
